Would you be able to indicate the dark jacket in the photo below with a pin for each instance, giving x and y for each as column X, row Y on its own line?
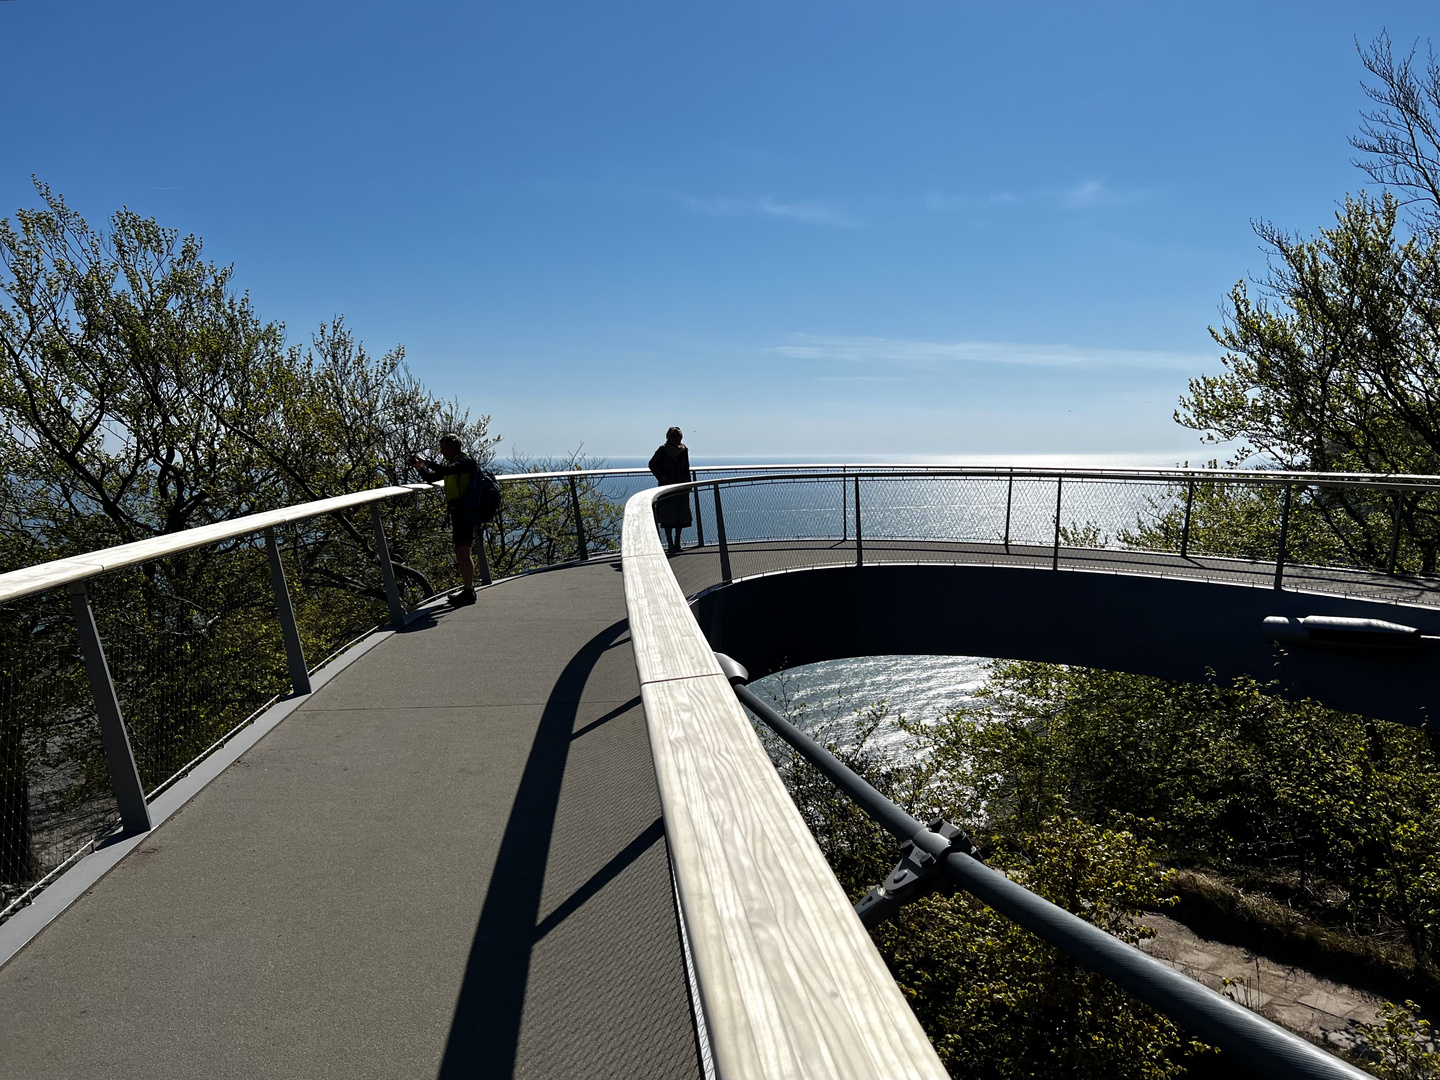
column 673, row 511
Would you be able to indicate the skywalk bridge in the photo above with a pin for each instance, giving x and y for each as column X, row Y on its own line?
column 539, row 837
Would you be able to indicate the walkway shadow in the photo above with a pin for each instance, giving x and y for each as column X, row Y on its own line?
column 485, row 1030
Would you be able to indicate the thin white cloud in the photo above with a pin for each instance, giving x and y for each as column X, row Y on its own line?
column 940, row 355
column 1080, row 196
column 809, row 211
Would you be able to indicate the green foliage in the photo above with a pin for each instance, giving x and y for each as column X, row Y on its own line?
column 1336, row 814
column 995, row 1000
column 998, row 1002
column 144, row 396
column 1334, row 368
column 1403, row 1045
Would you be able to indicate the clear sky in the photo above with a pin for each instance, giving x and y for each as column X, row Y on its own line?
column 921, row 229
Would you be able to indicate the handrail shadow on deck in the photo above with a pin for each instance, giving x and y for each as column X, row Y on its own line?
column 485, row 1029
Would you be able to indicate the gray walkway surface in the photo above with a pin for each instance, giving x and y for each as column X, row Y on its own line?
column 450, row 861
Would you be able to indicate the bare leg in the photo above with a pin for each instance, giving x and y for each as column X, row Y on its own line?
column 466, row 565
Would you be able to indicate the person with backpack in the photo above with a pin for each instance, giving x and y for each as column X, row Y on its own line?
column 472, row 495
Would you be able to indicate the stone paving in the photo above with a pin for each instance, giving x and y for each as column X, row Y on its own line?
column 1321, row 1009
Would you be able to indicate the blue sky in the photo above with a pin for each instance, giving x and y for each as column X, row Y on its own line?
column 928, row 230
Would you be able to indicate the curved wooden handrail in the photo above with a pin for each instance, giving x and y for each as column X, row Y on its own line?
column 49, row 575
column 790, row 983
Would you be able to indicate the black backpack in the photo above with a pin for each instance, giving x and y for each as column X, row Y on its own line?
column 482, row 497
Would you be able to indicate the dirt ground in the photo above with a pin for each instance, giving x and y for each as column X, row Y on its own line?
column 1322, row 1009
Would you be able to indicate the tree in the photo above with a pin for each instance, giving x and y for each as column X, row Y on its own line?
column 144, row 396
column 1335, row 365
column 995, row 1000
column 1401, row 137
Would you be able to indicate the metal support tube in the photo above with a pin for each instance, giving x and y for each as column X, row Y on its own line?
column 1055, row 551
column 1266, row 1047
column 724, row 546
column 859, row 542
column 1395, row 533
column 1185, row 529
column 579, row 521
column 1284, row 532
column 124, row 776
column 699, row 521
column 392, row 590
column 844, row 507
column 294, row 651
column 1216, row 1019
column 1009, row 499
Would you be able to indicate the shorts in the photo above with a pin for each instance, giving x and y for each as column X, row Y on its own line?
column 462, row 529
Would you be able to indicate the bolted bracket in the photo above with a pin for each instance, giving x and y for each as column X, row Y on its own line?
column 917, row 874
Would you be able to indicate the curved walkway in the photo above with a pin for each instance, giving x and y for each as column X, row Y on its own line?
column 698, row 568
column 449, row 861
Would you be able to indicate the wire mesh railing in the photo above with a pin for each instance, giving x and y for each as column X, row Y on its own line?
column 1330, row 532
column 190, row 633
column 55, row 793
column 195, row 649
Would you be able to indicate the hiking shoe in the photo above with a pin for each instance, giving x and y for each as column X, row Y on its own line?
column 463, row 598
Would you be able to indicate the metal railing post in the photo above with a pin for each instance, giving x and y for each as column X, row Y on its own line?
column 1395, row 533
column 579, row 521
column 725, row 575
column 482, row 560
column 1009, row 499
column 844, row 506
column 1284, row 531
column 124, row 776
column 294, row 651
column 1055, row 552
column 387, row 571
column 859, row 541
column 699, row 521
column 1185, row 529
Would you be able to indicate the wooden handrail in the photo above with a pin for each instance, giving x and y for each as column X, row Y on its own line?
column 790, row 983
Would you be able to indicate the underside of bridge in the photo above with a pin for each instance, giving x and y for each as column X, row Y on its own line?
column 1146, row 624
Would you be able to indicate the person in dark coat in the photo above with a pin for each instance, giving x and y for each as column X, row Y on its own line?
column 671, row 465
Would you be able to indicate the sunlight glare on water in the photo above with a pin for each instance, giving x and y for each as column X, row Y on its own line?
column 917, row 687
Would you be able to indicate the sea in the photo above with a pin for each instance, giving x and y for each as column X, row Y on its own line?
column 832, row 699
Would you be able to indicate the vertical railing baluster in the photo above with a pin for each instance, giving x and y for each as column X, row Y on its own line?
column 1185, row 529
column 482, row 558
column 859, row 541
column 579, row 521
column 124, row 776
column 699, row 521
column 725, row 575
column 387, row 571
column 1055, row 551
column 844, row 506
column 1395, row 532
column 1284, row 531
column 1009, row 499
column 285, row 611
